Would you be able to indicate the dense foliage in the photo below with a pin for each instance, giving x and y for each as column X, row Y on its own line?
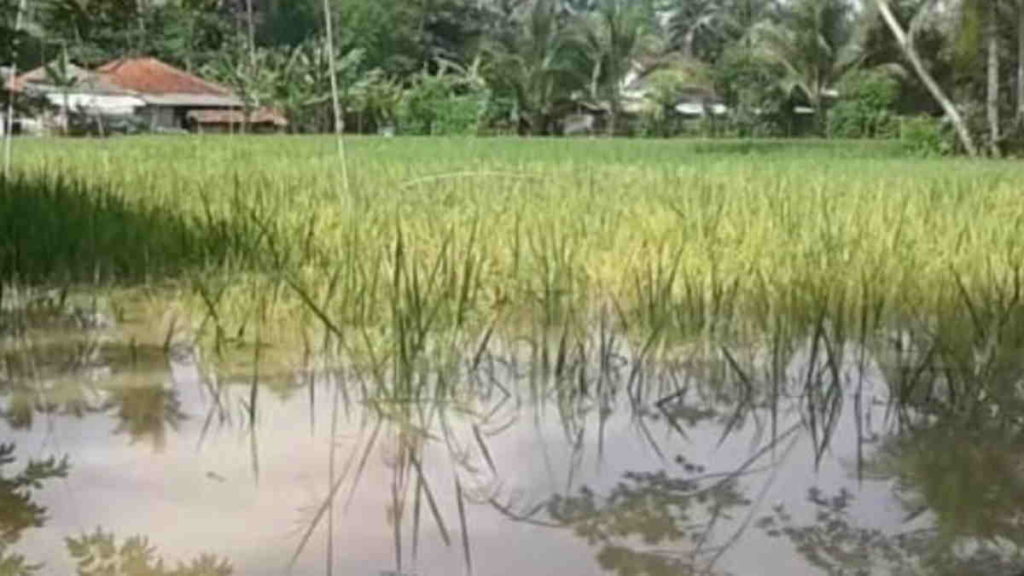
column 654, row 67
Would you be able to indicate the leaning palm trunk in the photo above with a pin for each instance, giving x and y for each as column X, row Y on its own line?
column 906, row 44
column 992, row 95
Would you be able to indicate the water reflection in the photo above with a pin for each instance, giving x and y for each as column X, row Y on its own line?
column 85, row 375
column 146, row 413
column 664, row 515
column 19, row 511
column 896, row 455
column 101, row 554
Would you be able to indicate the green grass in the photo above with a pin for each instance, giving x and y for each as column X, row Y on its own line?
column 442, row 243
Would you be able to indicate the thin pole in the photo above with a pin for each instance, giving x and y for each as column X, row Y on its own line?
column 251, row 37
column 9, row 118
column 251, row 32
column 339, row 120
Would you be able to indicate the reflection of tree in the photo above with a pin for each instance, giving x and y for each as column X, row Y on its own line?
column 835, row 544
column 18, row 511
column 145, row 413
column 84, row 376
column 971, row 480
column 640, row 524
column 100, row 554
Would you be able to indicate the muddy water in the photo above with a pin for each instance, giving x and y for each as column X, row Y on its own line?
column 323, row 476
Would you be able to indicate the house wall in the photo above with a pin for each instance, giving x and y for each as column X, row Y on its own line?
column 161, row 117
column 109, row 105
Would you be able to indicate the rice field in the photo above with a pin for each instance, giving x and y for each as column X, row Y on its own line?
column 492, row 353
column 415, row 242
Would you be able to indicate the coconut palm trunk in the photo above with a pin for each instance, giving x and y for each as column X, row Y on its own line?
column 992, row 92
column 905, row 40
column 1020, row 63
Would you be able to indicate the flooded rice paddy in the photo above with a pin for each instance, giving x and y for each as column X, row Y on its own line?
column 848, row 459
column 491, row 357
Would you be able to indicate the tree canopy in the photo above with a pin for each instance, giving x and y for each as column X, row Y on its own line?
column 768, row 67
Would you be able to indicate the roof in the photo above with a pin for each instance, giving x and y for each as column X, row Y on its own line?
column 86, row 81
column 151, row 76
column 261, row 116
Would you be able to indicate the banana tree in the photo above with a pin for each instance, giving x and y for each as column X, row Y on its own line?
column 304, row 79
column 250, row 74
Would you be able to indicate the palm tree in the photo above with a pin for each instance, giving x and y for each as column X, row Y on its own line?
column 1020, row 63
column 696, row 26
column 978, row 33
column 992, row 70
column 615, row 38
column 814, row 44
column 977, row 36
column 538, row 62
column 63, row 75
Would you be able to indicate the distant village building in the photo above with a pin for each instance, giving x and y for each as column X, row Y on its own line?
column 149, row 92
column 169, row 94
column 80, row 91
column 227, row 121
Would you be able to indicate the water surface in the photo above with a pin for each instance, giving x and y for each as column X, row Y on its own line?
column 693, row 466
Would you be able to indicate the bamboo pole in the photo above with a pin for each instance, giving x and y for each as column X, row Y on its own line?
column 339, row 120
column 9, row 117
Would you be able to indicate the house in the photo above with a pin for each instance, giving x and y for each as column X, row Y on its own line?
column 263, row 120
column 77, row 91
column 169, row 94
column 134, row 91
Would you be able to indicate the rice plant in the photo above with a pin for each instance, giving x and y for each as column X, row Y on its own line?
column 442, row 242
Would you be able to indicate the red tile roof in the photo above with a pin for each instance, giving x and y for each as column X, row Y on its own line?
column 85, row 81
column 151, row 76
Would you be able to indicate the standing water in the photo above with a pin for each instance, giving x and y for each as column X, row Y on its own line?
column 123, row 459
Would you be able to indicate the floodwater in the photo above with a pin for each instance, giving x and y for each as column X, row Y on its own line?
column 592, row 471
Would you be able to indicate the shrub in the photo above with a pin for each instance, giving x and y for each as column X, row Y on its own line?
column 927, row 136
column 865, row 107
column 443, row 104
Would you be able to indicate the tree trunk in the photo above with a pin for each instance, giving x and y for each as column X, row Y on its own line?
column 1020, row 62
column 992, row 96
column 821, row 114
column 689, row 43
column 251, row 25
column 67, row 113
column 906, row 43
